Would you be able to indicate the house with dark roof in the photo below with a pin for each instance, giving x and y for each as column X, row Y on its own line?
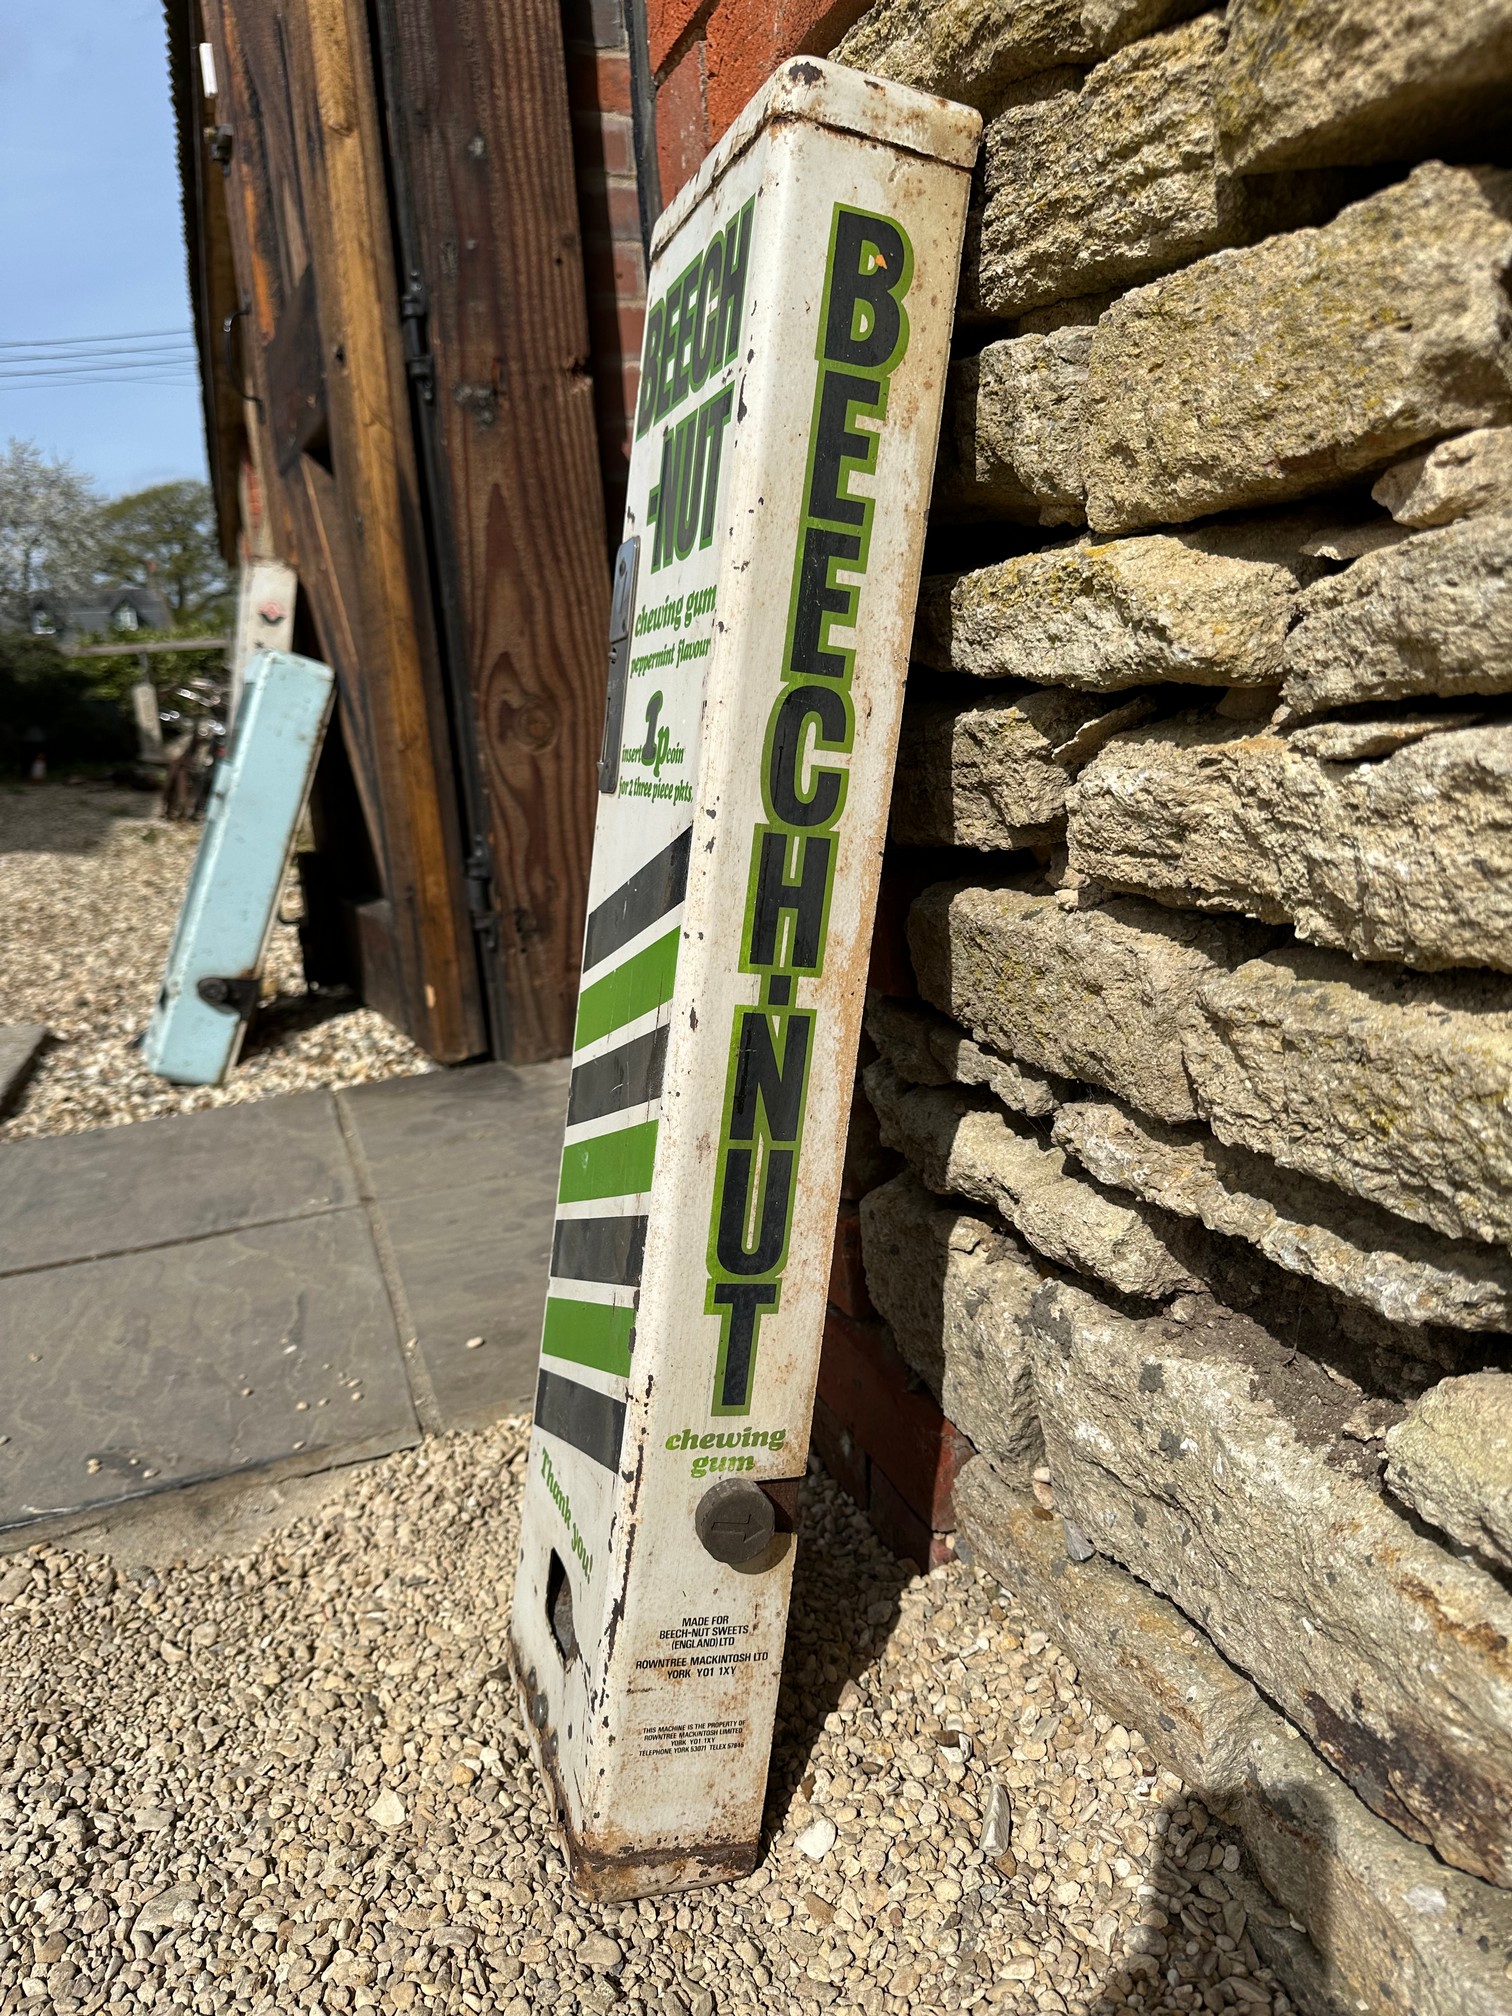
column 116, row 611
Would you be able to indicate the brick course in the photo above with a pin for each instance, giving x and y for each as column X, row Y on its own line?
column 598, row 87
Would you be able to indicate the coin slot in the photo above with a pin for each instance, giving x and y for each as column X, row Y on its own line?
column 559, row 1608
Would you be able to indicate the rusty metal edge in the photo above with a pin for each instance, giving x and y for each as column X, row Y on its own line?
column 619, row 1879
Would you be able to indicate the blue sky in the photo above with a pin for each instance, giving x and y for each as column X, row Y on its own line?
column 91, row 238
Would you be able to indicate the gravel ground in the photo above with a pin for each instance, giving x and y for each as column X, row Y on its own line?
column 90, row 887
column 271, row 1762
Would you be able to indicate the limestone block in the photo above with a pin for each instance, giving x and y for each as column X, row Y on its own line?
column 996, row 774
column 1353, row 81
column 1431, row 615
column 1458, row 479
column 926, row 1049
column 1409, row 858
column 1355, row 740
column 1309, row 1228
column 1114, row 23
column 956, row 1142
column 1197, row 1453
column 1350, row 542
column 1137, row 1655
column 867, row 1163
column 904, row 1033
column 955, row 1289
column 1106, row 993
column 1082, row 313
column 1297, row 364
column 1208, row 609
column 1451, row 1461
column 974, row 777
column 1009, row 446
column 1390, row 1084
column 972, row 49
column 1117, row 182
column 967, row 49
column 1391, row 1927
column 1398, row 1929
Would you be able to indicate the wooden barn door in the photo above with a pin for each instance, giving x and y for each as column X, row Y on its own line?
column 486, row 208
column 406, row 233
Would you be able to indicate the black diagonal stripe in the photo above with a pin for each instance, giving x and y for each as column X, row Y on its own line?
column 650, row 893
column 599, row 1249
column 624, row 1077
column 590, row 1421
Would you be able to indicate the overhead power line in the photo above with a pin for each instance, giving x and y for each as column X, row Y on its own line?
column 50, row 384
column 164, row 357
column 144, row 353
column 69, row 342
column 148, row 364
column 9, row 370
column 18, row 381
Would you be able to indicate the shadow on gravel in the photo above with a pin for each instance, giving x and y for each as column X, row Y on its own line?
column 1173, row 1960
column 289, row 1015
column 66, row 818
column 846, row 1588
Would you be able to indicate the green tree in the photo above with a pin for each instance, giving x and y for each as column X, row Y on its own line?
column 165, row 538
column 48, row 530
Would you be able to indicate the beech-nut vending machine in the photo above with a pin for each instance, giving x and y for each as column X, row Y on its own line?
column 802, row 292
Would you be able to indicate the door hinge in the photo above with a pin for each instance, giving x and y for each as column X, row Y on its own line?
column 419, row 364
column 478, row 871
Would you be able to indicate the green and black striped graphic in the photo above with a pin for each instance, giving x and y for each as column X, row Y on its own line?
column 607, row 1248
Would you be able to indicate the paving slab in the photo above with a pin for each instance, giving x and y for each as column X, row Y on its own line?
column 446, row 1129
column 175, row 1289
column 125, row 1189
column 473, row 1265
column 461, row 1169
column 19, row 1044
column 126, row 1375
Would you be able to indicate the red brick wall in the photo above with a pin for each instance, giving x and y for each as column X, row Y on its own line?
column 881, row 1437
column 614, row 268
column 709, row 56
column 877, row 1429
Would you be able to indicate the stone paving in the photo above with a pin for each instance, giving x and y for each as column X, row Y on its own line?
column 301, row 1281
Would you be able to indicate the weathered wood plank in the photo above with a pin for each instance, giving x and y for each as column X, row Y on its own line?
column 373, row 460
column 479, row 124
column 308, row 172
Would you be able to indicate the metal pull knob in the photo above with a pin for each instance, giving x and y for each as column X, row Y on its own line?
column 735, row 1520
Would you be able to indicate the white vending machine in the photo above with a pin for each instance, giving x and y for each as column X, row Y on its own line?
column 802, row 292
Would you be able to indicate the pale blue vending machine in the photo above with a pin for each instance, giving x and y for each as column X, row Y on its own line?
column 210, row 987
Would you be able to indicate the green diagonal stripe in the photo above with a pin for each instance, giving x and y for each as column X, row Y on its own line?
column 608, row 1165
column 633, row 988
column 589, row 1333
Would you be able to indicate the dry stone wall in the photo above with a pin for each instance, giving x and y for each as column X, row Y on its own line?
column 1205, row 1098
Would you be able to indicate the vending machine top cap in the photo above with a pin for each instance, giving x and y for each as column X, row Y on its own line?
column 845, row 100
